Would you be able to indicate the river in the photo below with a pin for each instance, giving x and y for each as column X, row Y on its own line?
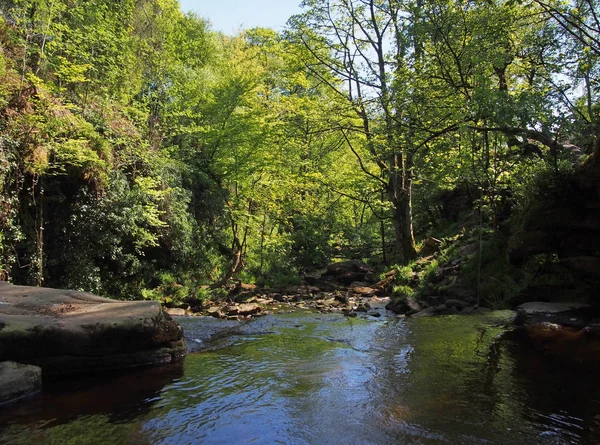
column 326, row 379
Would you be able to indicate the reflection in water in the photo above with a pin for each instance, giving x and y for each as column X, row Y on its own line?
column 326, row 379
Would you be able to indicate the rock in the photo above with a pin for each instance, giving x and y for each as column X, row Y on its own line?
column 363, row 307
column 330, row 302
column 195, row 304
column 540, row 307
column 563, row 342
column 482, row 310
column 244, row 309
column 364, row 291
column 575, row 315
column 65, row 331
column 342, row 298
column 279, row 297
column 427, row 312
column 215, row 311
column 430, row 246
column 434, row 300
column 592, row 329
column 458, row 304
column 249, row 309
column 322, row 285
column 349, row 271
column 374, row 314
column 265, row 301
column 309, row 289
column 404, row 305
column 18, row 380
column 450, row 310
column 388, row 279
column 178, row 312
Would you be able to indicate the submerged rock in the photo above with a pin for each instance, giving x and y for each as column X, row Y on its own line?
column 65, row 331
column 18, row 380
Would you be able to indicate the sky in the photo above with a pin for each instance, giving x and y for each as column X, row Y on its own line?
column 231, row 16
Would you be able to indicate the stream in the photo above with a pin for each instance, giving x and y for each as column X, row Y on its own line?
column 307, row 378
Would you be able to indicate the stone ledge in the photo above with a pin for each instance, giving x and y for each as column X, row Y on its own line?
column 67, row 331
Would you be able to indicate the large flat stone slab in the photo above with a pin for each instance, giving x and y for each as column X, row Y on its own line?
column 18, row 380
column 66, row 331
column 541, row 307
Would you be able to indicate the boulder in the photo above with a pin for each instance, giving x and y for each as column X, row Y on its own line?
column 571, row 314
column 427, row 312
column 176, row 311
column 430, row 246
column 541, row 307
column 18, row 380
column 349, row 271
column 215, row 311
column 408, row 305
column 65, row 331
column 364, row 291
column 244, row 309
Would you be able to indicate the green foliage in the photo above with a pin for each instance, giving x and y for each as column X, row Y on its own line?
column 499, row 282
column 141, row 153
column 403, row 291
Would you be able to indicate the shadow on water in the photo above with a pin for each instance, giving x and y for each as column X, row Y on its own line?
column 561, row 397
column 113, row 397
column 326, row 379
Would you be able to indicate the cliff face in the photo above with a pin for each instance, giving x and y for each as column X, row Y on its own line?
column 566, row 223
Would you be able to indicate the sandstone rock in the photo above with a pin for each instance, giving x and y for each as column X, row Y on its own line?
column 540, row 307
column 66, row 331
column 364, row 291
column 215, row 311
column 571, row 314
column 18, row 380
column 244, row 309
column 178, row 312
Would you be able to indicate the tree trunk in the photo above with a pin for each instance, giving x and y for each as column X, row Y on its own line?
column 236, row 262
column 401, row 198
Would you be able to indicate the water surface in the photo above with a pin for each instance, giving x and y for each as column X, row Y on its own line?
column 327, row 379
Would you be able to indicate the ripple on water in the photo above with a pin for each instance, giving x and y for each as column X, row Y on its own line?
column 326, row 379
